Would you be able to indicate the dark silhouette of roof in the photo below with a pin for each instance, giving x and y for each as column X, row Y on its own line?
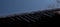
column 32, row 19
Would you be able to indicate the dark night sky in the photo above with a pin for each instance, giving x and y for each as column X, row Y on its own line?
column 21, row 6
